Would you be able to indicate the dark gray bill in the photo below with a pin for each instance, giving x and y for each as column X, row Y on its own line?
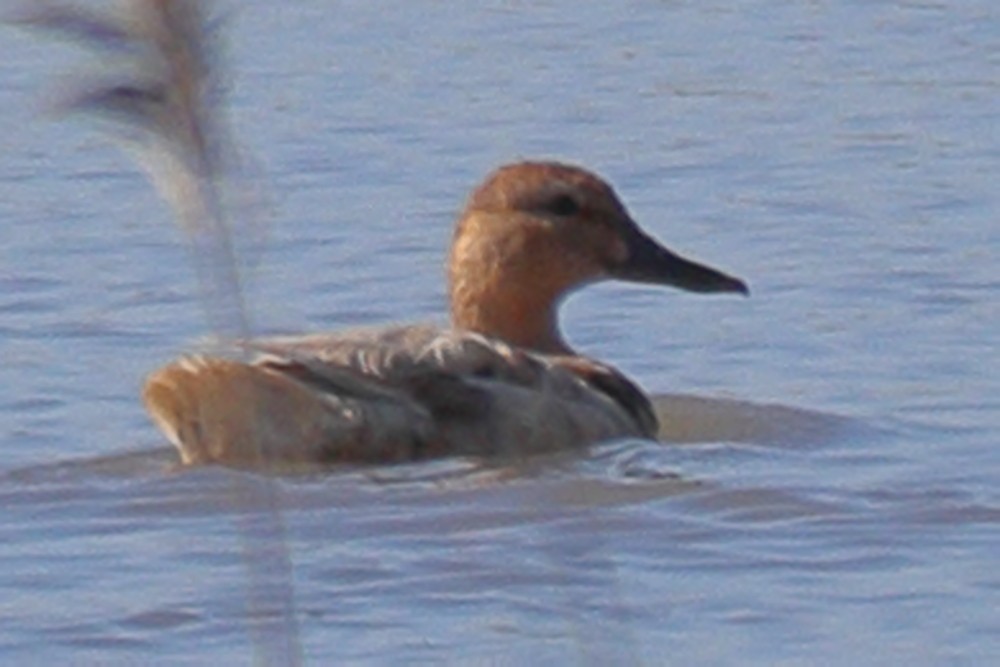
column 650, row 262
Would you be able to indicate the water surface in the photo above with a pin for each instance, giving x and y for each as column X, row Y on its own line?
column 829, row 495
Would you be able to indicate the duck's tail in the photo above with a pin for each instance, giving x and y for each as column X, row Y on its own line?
column 161, row 95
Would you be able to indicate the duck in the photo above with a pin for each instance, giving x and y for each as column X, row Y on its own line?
column 499, row 380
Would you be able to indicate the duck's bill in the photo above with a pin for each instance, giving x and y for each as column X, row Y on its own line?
column 650, row 262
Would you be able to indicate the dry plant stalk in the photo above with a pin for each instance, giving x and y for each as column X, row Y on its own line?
column 162, row 99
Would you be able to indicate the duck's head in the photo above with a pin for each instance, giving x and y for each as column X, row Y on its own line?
column 535, row 231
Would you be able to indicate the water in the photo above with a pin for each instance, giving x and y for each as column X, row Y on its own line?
column 836, row 498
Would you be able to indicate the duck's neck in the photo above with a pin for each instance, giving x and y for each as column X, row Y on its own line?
column 517, row 320
column 514, row 300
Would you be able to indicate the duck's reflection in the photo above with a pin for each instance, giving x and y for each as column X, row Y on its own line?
column 690, row 419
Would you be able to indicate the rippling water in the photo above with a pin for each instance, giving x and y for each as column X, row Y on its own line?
column 829, row 493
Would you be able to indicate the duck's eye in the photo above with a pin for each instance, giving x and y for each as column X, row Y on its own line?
column 563, row 205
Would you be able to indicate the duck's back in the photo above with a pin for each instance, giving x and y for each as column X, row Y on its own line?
column 388, row 394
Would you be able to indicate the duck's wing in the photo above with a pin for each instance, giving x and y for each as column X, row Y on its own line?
column 394, row 354
column 397, row 352
column 388, row 394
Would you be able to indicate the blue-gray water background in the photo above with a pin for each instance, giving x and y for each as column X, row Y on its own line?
column 842, row 156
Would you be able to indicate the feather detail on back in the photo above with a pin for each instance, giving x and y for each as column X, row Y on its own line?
column 389, row 394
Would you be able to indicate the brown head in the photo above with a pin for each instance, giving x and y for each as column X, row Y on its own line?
column 535, row 231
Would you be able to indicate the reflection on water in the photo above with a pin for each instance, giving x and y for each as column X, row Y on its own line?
column 604, row 555
column 480, row 505
column 690, row 419
column 141, row 500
